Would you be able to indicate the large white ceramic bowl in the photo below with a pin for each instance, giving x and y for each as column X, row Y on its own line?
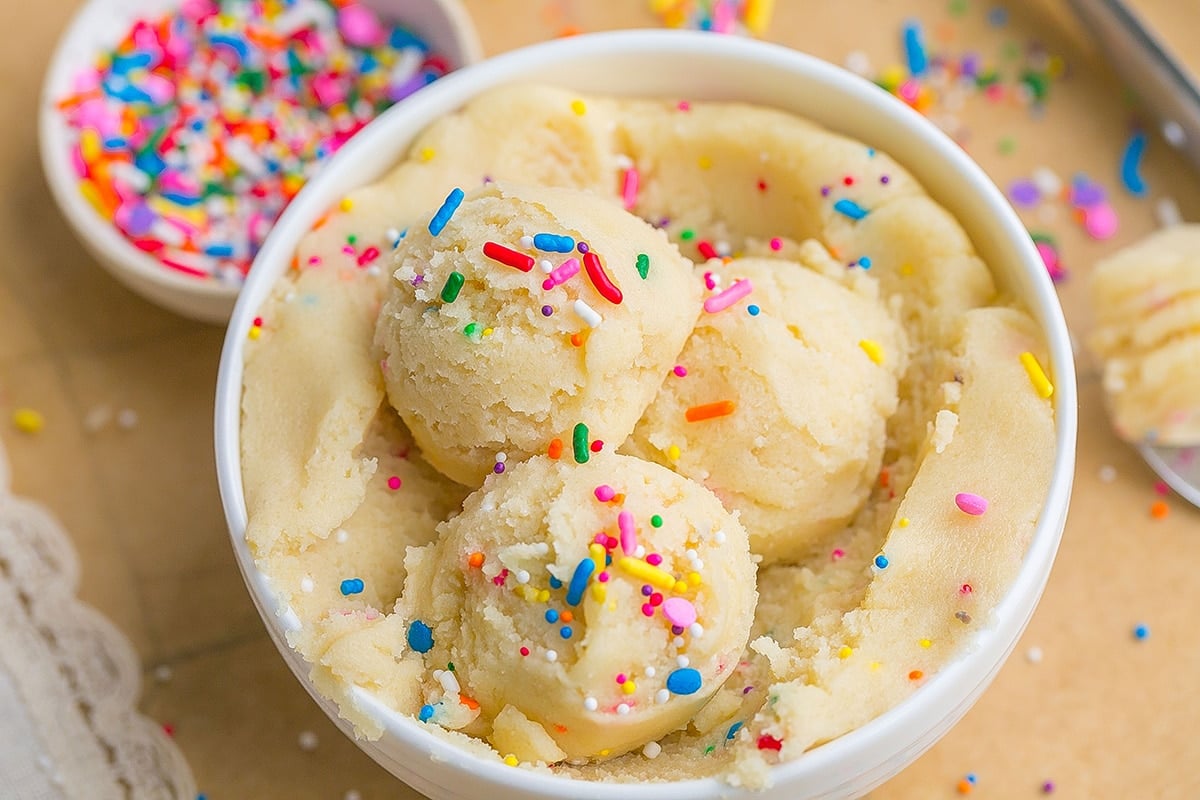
column 695, row 66
column 99, row 25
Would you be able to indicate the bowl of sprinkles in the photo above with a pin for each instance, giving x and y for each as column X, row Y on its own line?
column 173, row 133
column 680, row 418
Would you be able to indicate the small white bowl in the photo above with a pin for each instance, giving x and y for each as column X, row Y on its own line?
column 696, row 66
column 98, row 25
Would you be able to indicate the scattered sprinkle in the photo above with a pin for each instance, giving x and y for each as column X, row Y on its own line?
column 352, row 586
column 873, row 350
column 1131, row 162
column 508, row 257
column 1034, row 655
column 1141, row 631
column 1037, row 376
column 970, row 503
column 27, row 420
column 684, row 681
column 307, row 740
column 721, row 408
column 1159, row 509
column 445, row 212
column 420, row 636
column 586, row 313
column 579, row 442
column 849, row 208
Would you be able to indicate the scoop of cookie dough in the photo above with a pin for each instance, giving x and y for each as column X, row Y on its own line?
column 523, row 313
column 603, row 603
column 1146, row 300
column 781, row 402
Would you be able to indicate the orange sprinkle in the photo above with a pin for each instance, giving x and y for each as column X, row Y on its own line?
column 468, row 702
column 618, row 498
column 884, row 478
column 560, row 728
column 569, row 30
column 964, row 786
column 709, row 411
column 916, row 675
column 577, row 339
column 1159, row 509
column 555, row 448
column 475, row 560
column 566, row 616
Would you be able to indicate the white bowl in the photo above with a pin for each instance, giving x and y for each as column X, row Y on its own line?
column 696, row 66
column 98, row 25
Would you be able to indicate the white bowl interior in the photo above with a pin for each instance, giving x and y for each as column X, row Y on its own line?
column 99, row 25
column 694, row 66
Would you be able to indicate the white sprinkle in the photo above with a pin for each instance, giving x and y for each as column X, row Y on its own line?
column 552, row 655
column 1108, row 474
column 719, row 537
column 623, row 709
column 677, row 641
column 341, row 536
column 590, row 703
column 587, row 314
column 652, row 750
column 682, row 661
column 501, row 457
column 1034, row 655
column 696, row 630
column 127, row 418
column 546, row 266
column 353, row 794
column 662, row 696
column 374, row 271
column 639, row 551
column 526, row 242
column 522, row 576
column 649, row 672
column 449, row 682
column 858, row 62
column 307, row 741
column 622, row 161
column 690, row 554
column 163, row 673
column 306, row 584
column 1166, row 211
column 541, row 548
column 1173, row 132
column 97, row 418
column 696, row 564
column 723, row 249
column 1047, row 181
column 392, row 236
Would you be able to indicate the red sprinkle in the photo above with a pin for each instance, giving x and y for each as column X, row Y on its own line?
column 599, row 278
column 596, row 446
column 507, row 257
column 368, row 255
column 769, row 742
column 707, row 250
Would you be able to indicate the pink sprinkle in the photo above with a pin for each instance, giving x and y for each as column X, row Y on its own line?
column 628, row 532
column 680, row 371
column 648, row 609
column 360, row 26
column 629, row 188
column 838, row 554
column 604, row 493
column 683, row 105
column 722, row 301
column 561, row 274
column 654, row 559
column 679, row 611
column 602, row 577
column 971, row 504
column 601, row 538
column 722, row 17
column 710, row 282
column 1161, row 488
column 368, row 255
column 965, row 589
column 776, row 244
column 394, row 482
column 621, row 677
column 328, row 90
column 1100, row 221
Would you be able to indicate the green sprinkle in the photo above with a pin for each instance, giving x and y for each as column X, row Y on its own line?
column 656, row 521
column 687, row 234
column 708, row 750
column 472, row 330
column 579, row 441
column 643, row 265
column 450, row 666
column 454, row 284
column 1007, row 145
column 958, row 8
column 352, row 239
column 1038, row 84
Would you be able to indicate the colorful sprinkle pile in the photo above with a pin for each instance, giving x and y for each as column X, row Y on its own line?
column 718, row 16
column 194, row 132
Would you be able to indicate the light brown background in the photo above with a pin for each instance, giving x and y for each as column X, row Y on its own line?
column 1102, row 715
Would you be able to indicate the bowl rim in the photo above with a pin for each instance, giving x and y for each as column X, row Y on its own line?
column 943, row 689
column 101, row 235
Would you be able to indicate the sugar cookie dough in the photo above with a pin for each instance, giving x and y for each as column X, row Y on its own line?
column 523, row 312
column 1146, row 300
column 603, row 603
column 780, row 401
column 912, row 383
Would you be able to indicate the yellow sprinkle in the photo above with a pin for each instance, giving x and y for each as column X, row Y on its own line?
column 673, row 452
column 906, row 269
column 604, row 752
column 519, row 591
column 902, row 522
column 757, row 15
column 487, row 331
column 1037, row 376
column 28, row 421
column 598, row 553
column 647, row 572
column 599, row 592
column 925, row 643
column 628, row 687
column 661, row 6
column 893, row 76
column 705, row 162
column 543, row 596
column 872, row 349
column 255, row 332
column 427, row 153
column 681, row 586
column 694, row 578
column 346, row 204
column 579, row 107
column 1055, row 66
column 511, row 760
column 875, row 665
column 675, row 18
column 845, row 652
column 612, row 606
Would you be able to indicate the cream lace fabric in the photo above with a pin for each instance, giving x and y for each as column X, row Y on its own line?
column 69, row 680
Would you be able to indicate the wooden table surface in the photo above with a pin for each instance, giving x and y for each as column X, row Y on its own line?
column 1100, row 714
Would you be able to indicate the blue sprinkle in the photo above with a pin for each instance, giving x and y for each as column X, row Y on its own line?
column 352, row 586
column 181, row 199
column 551, row 616
column 684, row 681
column 223, row 250
column 1142, row 631
column 126, row 63
column 579, row 580
column 998, row 16
column 553, row 244
column 565, row 632
column 914, row 48
column 426, row 713
column 971, row 778
column 753, row 310
column 402, row 39
column 368, row 63
column 864, row 262
column 234, row 43
column 881, row 561
column 850, row 209
column 733, row 729
column 443, row 215
column 555, row 583
column 420, row 636
column 1131, row 164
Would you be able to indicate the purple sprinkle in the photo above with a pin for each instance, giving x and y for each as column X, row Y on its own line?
column 417, row 281
column 1024, row 193
column 582, row 247
column 748, row 690
column 825, row 191
column 1086, row 194
column 676, row 630
column 884, row 179
column 647, row 590
column 547, row 311
column 970, row 65
column 499, row 468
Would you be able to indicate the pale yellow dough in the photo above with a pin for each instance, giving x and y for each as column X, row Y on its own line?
column 836, row 639
column 798, row 456
column 489, row 373
column 1146, row 300
column 536, row 522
